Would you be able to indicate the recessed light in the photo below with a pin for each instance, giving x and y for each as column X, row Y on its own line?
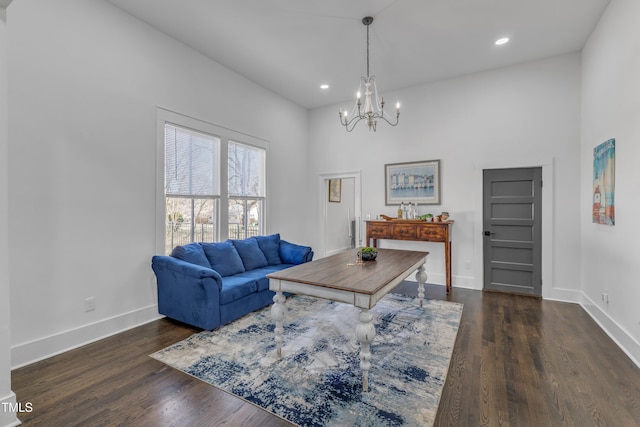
column 502, row 41
column 325, row 86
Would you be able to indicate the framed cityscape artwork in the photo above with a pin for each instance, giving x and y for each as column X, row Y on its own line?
column 414, row 182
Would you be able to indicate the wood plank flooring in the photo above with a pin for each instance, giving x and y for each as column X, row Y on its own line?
column 517, row 361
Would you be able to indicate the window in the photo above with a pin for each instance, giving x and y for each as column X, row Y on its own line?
column 246, row 186
column 191, row 179
column 198, row 198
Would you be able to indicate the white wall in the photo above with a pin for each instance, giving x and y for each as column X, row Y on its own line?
column 611, row 109
column 86, row 79
column 524, row 115
column 6, row 395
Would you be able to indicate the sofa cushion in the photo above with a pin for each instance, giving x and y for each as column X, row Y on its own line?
column 270, row 246
column 252, row 256
column 191, row 253
column 235, row 288
column 293, row 254
column 223, row 258
column 260, row 276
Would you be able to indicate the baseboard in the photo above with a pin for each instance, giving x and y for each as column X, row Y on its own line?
column 42, row 348
column 434, row 279
column 617, row 333
column 337, row 251
column 466, row 282
column 9, row 409
column 563, row 295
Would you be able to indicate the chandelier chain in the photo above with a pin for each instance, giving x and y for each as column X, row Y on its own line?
column 368, row 25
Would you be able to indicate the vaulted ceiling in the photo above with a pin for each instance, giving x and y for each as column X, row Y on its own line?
column 291, row 47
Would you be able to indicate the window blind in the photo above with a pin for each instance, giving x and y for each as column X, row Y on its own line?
column 246, row 170
column 191, row 160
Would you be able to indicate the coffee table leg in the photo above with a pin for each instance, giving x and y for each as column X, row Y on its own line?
column 421, row 275
column 365, row 332
column 278, row 313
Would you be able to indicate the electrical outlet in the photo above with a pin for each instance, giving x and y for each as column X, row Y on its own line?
column 605, row 296
column 467, row 265
column 89, row 304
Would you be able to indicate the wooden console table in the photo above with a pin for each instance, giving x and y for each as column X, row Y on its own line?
column 407, row 229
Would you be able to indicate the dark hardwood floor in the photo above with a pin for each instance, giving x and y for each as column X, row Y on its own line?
column 517, row 361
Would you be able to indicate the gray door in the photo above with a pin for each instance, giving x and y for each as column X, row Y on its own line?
column 512, row 207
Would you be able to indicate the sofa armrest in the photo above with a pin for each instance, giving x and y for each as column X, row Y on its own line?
column 185, row 268
column 290, row 253
column 187, row 292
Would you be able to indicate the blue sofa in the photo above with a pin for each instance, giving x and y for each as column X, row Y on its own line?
column 210, row 284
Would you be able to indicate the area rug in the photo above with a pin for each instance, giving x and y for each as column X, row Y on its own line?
column 318, row 381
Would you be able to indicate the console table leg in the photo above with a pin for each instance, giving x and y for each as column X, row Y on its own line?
column 278, row 313
column 421, row 275
column 365, row 332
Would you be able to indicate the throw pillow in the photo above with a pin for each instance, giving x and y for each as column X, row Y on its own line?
column 252, row 256
column 224, row 258
column 191, row 253
column 270, row 246
column 291, row 253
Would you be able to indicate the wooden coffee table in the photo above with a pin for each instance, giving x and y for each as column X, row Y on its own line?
column 341, row 278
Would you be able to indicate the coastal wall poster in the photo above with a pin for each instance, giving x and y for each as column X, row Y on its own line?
column 604, row 161
column 414, row 182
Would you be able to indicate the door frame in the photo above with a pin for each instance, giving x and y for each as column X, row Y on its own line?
column 323, row 179
column 546, row 164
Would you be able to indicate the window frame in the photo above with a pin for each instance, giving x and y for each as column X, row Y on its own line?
column 246, row 199
column 225, row 135
column 179, row 193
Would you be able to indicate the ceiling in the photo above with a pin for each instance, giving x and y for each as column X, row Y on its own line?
column 291, row 47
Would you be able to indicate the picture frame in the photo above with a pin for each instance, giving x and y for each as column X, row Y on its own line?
column 604, row 183
column 335, row 190
column 413, row 182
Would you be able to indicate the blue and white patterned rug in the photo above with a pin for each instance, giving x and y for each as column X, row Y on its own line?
column 318, row 381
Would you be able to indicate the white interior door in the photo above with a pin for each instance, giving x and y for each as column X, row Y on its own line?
column 341, row 223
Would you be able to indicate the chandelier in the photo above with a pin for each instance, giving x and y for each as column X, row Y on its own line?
column 373, row 108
